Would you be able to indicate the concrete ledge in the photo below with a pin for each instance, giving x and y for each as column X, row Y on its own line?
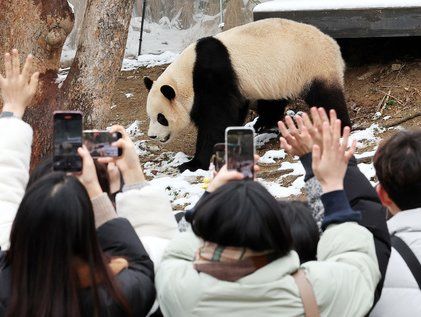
column 356, row 23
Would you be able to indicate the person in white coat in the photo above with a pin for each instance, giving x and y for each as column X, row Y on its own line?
column 17, row 90
column 398, row 168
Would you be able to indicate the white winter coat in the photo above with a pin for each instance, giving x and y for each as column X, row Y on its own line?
column 343, row 280
column 15, row 154
column 401, row 295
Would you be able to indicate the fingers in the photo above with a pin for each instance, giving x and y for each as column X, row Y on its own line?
column 119, row 128
column 351, row 151
column 8, row 65
column 106, row 160
column 291, row 125
column 327, row 138
column 33, row 83
column 323, row 115
column 15, row 63
column 307, row 121
column 27, row 68
column 282, row 128
column 317, row 121
column 285, row 145
column 316, row 156
column 345, row 138
column 336, row 132
column 332, row 115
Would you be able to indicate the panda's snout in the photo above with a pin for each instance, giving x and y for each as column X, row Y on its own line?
column 166, row 138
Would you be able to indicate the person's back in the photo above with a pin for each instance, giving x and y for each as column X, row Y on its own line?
column 398, row 168
column 56, row 266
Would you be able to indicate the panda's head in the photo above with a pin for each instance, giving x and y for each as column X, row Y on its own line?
column 167, row 117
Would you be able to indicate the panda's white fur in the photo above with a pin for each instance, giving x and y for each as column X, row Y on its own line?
column 273, row 59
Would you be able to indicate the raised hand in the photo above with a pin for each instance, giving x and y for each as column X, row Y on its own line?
column 330, row 165
column 18, row 88
column 296, row 140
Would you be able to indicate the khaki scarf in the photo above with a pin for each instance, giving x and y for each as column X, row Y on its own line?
column 230, row 263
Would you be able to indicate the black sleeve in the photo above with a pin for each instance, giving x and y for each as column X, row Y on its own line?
column 118, row 238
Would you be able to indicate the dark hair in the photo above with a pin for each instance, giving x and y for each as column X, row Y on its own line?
column 53, row 228
column 304, row 230
column 398, row 168
column 46, row 167
column 243, row 214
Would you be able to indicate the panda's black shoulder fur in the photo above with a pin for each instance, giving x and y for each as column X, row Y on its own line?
column 217, row 98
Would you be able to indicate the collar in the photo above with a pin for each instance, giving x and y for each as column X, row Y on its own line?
column 405, row 221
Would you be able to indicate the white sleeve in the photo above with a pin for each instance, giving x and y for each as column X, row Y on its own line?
column 15, row 155
column 149, row 211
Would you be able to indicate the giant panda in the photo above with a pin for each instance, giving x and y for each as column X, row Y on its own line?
column 214, row 80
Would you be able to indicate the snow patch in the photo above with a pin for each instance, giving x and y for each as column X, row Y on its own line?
column 270, row 156
column 149, row 60
column 133, row 130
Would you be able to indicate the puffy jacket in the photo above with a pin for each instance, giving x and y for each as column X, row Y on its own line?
column 117, row 238
column 343, row 280
column 401, row 294
column 15, row 155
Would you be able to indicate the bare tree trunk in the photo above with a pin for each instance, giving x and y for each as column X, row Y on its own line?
column 94, row 71
column 39, row 27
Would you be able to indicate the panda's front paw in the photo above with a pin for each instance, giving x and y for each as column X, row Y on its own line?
column 192, row 165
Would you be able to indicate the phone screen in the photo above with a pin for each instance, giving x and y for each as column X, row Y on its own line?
column 99, row 143
column 240, row 150
column 219, row 156
column 67, row 139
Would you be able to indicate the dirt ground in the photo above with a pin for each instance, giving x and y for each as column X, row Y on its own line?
column 383, row 76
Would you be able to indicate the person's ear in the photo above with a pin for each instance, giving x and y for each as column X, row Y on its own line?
column 148, row 83
column 168, row 92
column 386, row 200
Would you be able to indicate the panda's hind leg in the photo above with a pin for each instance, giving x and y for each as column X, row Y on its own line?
column 321, row 94
column 270, row 112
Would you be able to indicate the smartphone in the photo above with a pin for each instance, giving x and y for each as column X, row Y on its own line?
column 240, row 149
column 99, row 143
column 67, row 139
column 218, row 156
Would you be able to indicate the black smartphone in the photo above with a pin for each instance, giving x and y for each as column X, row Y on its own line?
column 240, row 149
column 67, row 139
column 218, row 156
column 99, row 143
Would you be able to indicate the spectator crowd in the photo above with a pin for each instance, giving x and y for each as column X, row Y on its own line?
column 104, row 242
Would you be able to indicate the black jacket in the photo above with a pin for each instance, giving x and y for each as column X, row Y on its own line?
column 117, row 238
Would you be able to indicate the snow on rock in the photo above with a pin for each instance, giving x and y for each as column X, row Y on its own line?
column 129, row 95
column 270, row 156
column 263, row 138
column 366, row 136
column 133, row 130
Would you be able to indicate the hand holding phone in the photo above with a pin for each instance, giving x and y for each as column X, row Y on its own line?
column 67, row 139
column 99, row 143
column 240, row 150
column 128, row 163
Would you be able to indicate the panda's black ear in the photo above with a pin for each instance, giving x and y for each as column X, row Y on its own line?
column 168, row 92
column 148, row 83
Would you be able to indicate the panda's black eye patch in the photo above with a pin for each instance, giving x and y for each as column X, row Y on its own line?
column 162, row 120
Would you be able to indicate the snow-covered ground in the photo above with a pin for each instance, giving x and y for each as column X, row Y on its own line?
column 186, row 188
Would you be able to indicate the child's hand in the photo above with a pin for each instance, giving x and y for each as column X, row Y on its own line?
column 18, row 88
column 330, row 165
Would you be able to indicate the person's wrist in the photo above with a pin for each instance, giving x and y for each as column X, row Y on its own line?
column 133, row 176
column 328, row 187
column 17, row 110
column 94, row 190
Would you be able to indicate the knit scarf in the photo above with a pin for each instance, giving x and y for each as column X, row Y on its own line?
column 230, row 263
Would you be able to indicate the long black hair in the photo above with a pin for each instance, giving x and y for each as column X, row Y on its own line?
column 53, row 228
column 243, row 214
